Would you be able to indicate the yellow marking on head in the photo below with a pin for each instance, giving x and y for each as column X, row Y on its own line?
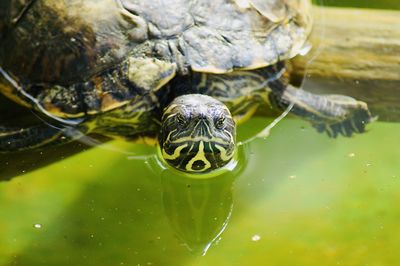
column 171, row 115
column 176, row 154
column 200, row 156
column 169, row 108
column 201, row 138
column 223, row 155
column 230, row 135
column 208, row 129
column 169, row 135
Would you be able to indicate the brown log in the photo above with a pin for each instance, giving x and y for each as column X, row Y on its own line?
column 355, row 52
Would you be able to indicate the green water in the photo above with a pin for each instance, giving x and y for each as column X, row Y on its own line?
column 382, row 4
column 302, row 199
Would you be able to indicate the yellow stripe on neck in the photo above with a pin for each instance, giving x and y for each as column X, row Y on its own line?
column 223, row 155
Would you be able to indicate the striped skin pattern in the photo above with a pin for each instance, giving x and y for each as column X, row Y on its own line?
column 197, row 134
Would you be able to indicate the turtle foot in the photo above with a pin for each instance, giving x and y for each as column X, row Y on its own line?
column 354, row 123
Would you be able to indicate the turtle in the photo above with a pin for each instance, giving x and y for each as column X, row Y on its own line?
column 184, row 73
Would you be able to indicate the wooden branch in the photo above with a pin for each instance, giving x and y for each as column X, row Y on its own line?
column 355, row 52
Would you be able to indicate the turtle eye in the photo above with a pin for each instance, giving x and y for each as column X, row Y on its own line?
column 220, row 122
column 180, row 119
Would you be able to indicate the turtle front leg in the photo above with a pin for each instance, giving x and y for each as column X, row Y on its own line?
column 333, row 114
column 37, row 136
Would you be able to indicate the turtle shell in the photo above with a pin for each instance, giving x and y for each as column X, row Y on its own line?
column 219, row 36
column 78, row 57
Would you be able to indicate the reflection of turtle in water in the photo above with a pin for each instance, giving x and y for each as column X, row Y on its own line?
column 184, row 68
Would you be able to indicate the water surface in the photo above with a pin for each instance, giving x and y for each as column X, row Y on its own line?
column 302, row 198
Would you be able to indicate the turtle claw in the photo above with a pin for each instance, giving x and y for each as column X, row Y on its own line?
column 353, row 124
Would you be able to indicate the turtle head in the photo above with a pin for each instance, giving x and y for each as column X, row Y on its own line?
column 197, row 134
